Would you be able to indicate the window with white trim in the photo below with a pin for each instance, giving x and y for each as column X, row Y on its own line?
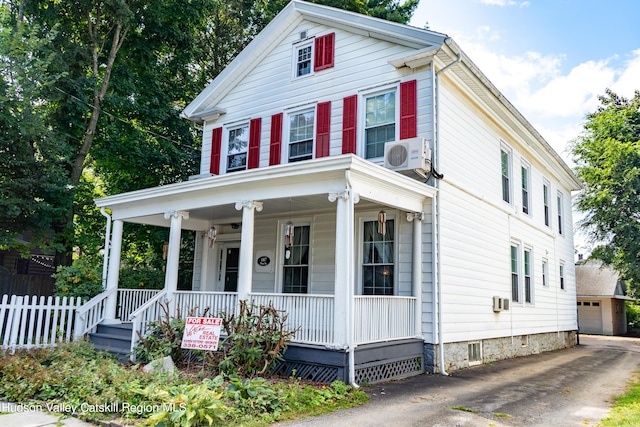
column 525, row 175
column 380, row 122
column 378, row 258
column 515, row 272
column 301, row 135
column 303, row 55
column 546, row 202
column 560, row 200
column 505, row 163
column 526, row 272
column 545, row 273
column 237, row 147
column 561, row 274
column 295, row 267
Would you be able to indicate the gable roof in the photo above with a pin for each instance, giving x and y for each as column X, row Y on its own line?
column 593, row 278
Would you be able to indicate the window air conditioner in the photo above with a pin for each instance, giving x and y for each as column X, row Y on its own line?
column 497, row 304
column 408, row 154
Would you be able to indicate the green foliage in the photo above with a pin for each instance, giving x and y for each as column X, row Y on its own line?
column 633, row 316
column 164, row 338
column 607, row 157
column 256, row 339
column 81, row 279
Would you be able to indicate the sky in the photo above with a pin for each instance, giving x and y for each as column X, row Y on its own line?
column 550, row 58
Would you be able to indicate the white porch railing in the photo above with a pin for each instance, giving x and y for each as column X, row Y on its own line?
column 195, row 303
column 311, row 314
column 129, row 300
column 91, row 313
column 149, row 312
column 36, row 322
column 381, row 318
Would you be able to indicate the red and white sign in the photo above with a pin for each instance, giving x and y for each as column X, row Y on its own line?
column 201, row 333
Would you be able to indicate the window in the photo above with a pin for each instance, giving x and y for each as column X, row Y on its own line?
column 561, row 276
column 525, row 189
column 303, row 54
column 378, row 259
column 296, row 262
column 527, row 275
column 545, row 272
column 560, row 202
column 475, row 353
column 505, row 157
column 237, row 148
column 301, row 126
column 545, row 201
column 380, row 123
column 515, row 280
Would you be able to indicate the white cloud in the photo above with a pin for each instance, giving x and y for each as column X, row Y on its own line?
column 628, row 81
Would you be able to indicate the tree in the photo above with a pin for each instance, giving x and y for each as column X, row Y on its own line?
column 607, row 155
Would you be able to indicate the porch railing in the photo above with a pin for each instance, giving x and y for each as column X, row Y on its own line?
column 129, row 300
column 214, row 303
column 312, row 315
column 91, row 313
column 148, row 312
column 381, row 318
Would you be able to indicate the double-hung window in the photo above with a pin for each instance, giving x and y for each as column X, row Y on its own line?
column 303, row 58
column 378, row 259
column 560, row 212
column 237, row 148
column 546, row 201
column 525, row 179
column 561, row 274
column 515, row 269
column 301, row 131
column 296, row 262
column 380, row 122
column 545, row 273
column 505, row 161
column 526, row 270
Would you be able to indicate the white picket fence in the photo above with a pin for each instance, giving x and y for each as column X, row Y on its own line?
column 36, row 322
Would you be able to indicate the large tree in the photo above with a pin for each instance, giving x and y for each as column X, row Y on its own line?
column 607, row 155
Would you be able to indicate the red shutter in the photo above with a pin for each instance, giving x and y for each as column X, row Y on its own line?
column 323, row 56
column 255, row 129
column 276, row 139
column 216, row 146
column 349, row 121
column 323, row 129
column 408, row 110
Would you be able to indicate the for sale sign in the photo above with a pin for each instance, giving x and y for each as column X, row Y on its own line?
column 201, row 333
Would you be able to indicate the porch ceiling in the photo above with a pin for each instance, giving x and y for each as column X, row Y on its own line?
column 296, row 187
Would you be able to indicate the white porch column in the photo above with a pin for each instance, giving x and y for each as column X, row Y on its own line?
column 416, row 267
column 245, row 263
column 173, row 255
column 113, row 274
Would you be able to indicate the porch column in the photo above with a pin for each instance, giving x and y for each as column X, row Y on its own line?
column 343, row 282
column 173, row 255
column 416, row 267
column 245, row 263
column 113, row 274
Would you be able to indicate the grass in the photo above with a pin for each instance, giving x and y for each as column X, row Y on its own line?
column 463, row 408
column 625, row 411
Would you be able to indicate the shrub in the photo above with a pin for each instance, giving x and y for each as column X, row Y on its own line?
column 81, row 279
column 633, row 316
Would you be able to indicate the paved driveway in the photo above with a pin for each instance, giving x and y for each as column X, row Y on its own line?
column 571, row 387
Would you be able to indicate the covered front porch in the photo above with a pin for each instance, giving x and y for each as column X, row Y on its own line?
column 341, row 245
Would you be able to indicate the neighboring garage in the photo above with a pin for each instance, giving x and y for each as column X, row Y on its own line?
column 601, row 297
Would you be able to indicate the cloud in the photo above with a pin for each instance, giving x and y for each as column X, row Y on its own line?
column 627, row 82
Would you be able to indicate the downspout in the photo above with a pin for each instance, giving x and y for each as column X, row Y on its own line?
column 351, row 284
column 436, row 219
column 107, row 247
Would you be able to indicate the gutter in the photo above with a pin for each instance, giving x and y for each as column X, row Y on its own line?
column 436, row 218
column 107, row 247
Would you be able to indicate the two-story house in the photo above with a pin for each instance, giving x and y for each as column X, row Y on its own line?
column 368, row 179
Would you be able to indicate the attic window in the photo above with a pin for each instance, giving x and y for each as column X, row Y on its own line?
column 313, row 55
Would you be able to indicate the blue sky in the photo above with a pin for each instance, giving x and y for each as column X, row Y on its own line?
column 550, row 58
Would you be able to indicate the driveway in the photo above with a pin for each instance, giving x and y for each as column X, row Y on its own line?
column 571, row 387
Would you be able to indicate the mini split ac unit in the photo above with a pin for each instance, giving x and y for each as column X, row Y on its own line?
column 500, row 304
column 411, row 154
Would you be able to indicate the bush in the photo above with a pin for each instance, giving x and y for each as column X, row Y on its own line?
column 81, row 279
column 633, row 316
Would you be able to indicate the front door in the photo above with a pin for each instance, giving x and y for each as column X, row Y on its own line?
column 232, row 257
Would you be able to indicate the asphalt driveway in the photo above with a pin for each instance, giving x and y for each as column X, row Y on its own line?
column 571, row 387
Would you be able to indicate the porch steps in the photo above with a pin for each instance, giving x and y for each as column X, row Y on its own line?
column 114, row 338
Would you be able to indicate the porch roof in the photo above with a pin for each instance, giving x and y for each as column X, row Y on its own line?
column 297, row 187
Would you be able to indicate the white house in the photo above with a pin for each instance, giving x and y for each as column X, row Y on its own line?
column 366, row 177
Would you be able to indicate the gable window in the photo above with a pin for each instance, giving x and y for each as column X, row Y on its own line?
column 560, row 203
column 525, row 178
column 303, row 55
column 296, row 262
column 380, row 122
column 527, row 275
column 515, row 279
column 237, row 148
column 545, row 201
column 378, row 265
column 505, row 160
column 301, row 126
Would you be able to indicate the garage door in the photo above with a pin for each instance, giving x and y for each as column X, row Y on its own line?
column 590, row 317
